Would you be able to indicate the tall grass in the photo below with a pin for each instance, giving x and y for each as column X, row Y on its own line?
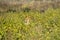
column 30, row 25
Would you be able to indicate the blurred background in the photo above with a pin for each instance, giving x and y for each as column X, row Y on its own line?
column 27, row 5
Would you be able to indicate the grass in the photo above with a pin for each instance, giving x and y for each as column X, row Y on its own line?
column 30, row 25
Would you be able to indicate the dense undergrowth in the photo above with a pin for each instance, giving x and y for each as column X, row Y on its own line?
column 30, row 25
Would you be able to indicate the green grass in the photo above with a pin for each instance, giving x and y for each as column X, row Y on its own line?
column 41, row 26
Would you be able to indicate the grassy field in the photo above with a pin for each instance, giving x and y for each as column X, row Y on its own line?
column 30, row 25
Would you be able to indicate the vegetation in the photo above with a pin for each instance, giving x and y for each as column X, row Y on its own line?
column 30, row 25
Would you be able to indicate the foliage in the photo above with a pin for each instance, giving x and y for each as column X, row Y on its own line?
column 41, row 26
